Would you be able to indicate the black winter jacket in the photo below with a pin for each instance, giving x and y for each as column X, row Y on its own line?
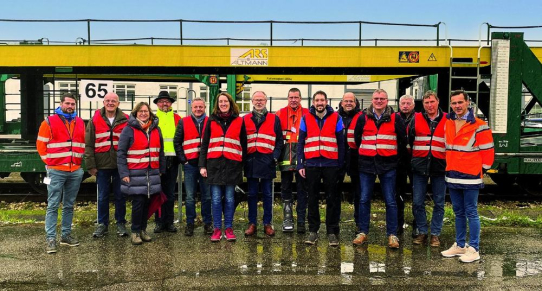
column 222, row 171
column 142, row 181
column 351, row 155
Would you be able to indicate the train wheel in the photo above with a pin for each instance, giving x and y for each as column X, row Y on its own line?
column 532, row 184
column 503, row 180
column 35, row 180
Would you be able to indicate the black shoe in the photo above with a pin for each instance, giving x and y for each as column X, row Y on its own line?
column 208, row 229
column 100, row 231
column 301, row 228
column 333, row 240
column 189, row 230
column 171, row 228
column 312, row 238
column 51, row 246
column 69, row 241
column 121, row 229
column 158, row 228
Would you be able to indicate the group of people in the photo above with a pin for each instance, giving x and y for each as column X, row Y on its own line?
column 138, row 156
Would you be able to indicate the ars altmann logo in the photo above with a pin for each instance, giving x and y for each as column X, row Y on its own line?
column 249, row 57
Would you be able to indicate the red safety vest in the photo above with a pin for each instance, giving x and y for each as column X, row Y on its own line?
column 144, row 151
column 227, row 145
column 350, row 131
column 104, row 137
column 192, row 138
column 321, row 142
column 262, row 140
column 63, row 149
column 378, row 141
column 424, row 141
column 286, row 123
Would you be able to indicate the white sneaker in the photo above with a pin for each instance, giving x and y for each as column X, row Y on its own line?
column 453, row 251
column 470, row 255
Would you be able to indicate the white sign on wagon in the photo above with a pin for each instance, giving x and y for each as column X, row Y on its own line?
column 94, row 90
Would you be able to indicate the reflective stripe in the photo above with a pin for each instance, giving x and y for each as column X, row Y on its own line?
column 78, row 155
column 168, row 140
column 138, row 152
column 439, row 139
column 142, row 160
column 220, row 149
column 328, row 139
column 420, row 148
column 216, row 139
column 58, row 145
column 264, row 145
column 438, row 149
column 43, row 157
column 350, row 139
column 351, row 131
column 104, row 134
column 487, row 167
column 369, row 137
column 311, row 139
column 154, row 150
column 461, row 148
column 102, row 144
column 266, row 136
column 387, row 136
column 78, row 144
column 116, row 134
column 168, row 154
column 321, row 138
column 464, row 181
column 486, row 146
column 60, row 155
column 386, row 147
column 284, row 132
column 422, row 138
column 233, row 141
column 250, row 136
column 43, row 139
column 194, row 150
column 191, row 141
column 368, row 147
column 482, row 128
column 324, row 148
column 115, row 142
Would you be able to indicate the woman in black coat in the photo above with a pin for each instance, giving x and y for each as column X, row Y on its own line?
column 221, row 161
column 140, row 160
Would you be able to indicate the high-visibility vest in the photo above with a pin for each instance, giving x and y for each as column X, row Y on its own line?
column 262, row 140
column 380, row 141
column 167, row 121
column 104, row 136
column 350, row 131
column 321, row 142
column 192, row 138
column 62, row 148
column 425, row 142
column 144, row 152
column 287, row 123
column 227, row 145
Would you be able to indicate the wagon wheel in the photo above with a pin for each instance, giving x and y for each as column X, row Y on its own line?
column 532, row 184
column 503, row 180
column 35, row 180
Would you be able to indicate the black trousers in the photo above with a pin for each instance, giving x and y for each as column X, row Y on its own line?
column 140, row 212
column 354, row 189
column 168, row 181
column 333, row 200
column 287, row 178
column 402, row 186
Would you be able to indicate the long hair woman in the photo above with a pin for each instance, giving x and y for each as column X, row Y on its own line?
column 221, row 162
column 140, row 160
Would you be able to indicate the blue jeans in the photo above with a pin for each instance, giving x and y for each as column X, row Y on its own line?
column 418, row 202
column 104, row 179
column 387, row 183
column 465, row 205
column 228, row 192
column 253, row 189
column 191, row 179
column 63, row 185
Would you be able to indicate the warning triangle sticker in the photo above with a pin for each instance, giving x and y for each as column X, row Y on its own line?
column 403, row 58
column 432, row 58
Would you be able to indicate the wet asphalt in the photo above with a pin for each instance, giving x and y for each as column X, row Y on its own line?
column 511, row 260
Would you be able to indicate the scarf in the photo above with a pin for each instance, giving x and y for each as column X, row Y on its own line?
column 224, row 115
column 200, row 119
column 67, row 116
column 259, row 115
column 144, row 125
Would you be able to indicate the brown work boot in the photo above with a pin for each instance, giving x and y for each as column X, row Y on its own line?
column 420, row 239
column 360, row 239
column 393, row 242
column 268, row 230
column 435, row 242
column 251, row 230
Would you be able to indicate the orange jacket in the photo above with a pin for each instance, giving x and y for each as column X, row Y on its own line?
column 469, row 152
column 45, row 134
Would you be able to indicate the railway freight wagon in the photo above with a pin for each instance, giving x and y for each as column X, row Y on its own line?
column 503, row 79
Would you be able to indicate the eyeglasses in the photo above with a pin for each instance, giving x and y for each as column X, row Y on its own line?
column 259, row 100
column 380, row 99
column 164, row 101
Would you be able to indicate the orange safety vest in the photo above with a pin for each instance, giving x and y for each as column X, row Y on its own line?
column 350, row 131
column 425, row 142
column 262, row 140
column 380, row 141
column 192, row 138
column 227, row 145
column 287, row 123
column 62, row 148
column 104, row 137
column 321, row 142
column 144, row 151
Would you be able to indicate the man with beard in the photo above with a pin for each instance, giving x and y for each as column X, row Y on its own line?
column 319, row 156
column 61, row 145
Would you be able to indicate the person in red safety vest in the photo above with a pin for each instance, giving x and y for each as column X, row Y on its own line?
column 319, row 155
column 380, row 137
column 426, row 139
column 469, row 154
column 101, row 144
column 61, row 145
column 223, row 149
column 187, row 143
column 290, row 118
column 264, row 144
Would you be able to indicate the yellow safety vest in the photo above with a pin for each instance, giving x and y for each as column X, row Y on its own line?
column 166, row 122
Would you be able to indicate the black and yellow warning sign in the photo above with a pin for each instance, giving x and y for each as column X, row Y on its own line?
column 409, row 57
column 432, row 58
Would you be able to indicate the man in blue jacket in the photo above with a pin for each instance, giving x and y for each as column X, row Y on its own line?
column 320, row 153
